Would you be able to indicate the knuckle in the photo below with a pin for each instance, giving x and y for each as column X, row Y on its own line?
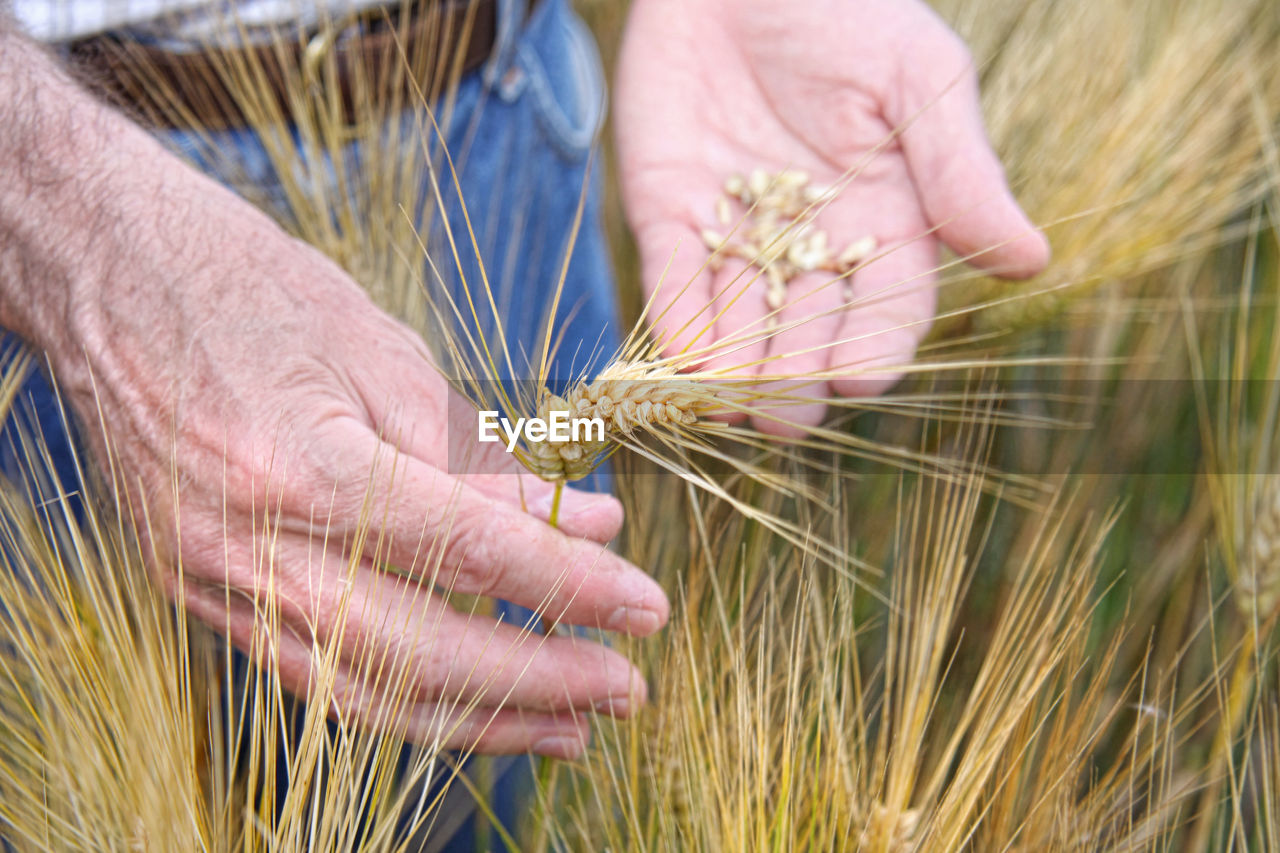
column 202, row 542
column 471, row 732
column 470, row 558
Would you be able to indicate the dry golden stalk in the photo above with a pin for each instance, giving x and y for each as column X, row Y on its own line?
column 890, row 830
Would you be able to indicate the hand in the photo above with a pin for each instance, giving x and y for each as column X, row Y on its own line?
column 242, row 371
column 284, row 386
column 708, row 88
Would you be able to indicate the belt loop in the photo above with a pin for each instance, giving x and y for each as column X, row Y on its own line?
column 511, row 19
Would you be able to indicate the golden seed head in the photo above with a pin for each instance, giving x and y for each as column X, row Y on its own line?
column 1259, row 582
column 563, row 460
column 629, row 397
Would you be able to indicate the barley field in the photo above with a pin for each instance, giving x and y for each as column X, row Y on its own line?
column 1026, row 600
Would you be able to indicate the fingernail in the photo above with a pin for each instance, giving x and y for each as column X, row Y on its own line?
column 633, row 620
column 619, row 706
column 559, row 747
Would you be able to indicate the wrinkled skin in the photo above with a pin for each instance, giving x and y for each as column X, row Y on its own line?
column 243, row 372
column 281, row 406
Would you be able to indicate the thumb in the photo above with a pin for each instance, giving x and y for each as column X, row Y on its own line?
column 959, row 180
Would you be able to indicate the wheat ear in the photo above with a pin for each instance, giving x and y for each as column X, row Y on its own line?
column 629, row 397
column 1258, row 586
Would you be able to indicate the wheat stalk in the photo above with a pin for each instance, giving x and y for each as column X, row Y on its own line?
column 796, row 719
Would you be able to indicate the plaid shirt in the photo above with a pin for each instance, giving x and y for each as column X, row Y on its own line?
column 172, row 23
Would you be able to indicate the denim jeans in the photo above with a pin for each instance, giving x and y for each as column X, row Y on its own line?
column 528, row 121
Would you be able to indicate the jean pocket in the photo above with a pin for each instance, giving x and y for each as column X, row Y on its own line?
column 564, row 78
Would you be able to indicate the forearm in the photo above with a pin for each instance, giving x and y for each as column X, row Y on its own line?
column 89, row 203
column 52, row 186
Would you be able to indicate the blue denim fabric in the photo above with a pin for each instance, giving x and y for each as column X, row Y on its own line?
column 523, row 133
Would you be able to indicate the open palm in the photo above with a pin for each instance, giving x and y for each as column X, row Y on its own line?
column 709, row 88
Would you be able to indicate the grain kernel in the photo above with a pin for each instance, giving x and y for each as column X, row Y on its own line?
column 856, row 253
column 723, row 214
column 775, row 297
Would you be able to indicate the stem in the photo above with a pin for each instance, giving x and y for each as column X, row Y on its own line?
column 546, row 766
column 554, row 521
column 1233, row 715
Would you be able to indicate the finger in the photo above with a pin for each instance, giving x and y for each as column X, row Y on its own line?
column 894, row 298
column 467, row 657
column 475, row 659
column 673, row 263
column 484, row 546
column 401, row 637
column 738, row 304
column 588, row 515
column 497, row 551
column 800, row 350
column 407, row 412
column 306, row 671
column 479, row 728
column 959, row 179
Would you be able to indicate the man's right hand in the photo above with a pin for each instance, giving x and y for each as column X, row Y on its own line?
column 244, row 372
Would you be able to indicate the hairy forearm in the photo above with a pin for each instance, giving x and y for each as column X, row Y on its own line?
column 89, row 203
column 113, row 252
column 55, row 144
